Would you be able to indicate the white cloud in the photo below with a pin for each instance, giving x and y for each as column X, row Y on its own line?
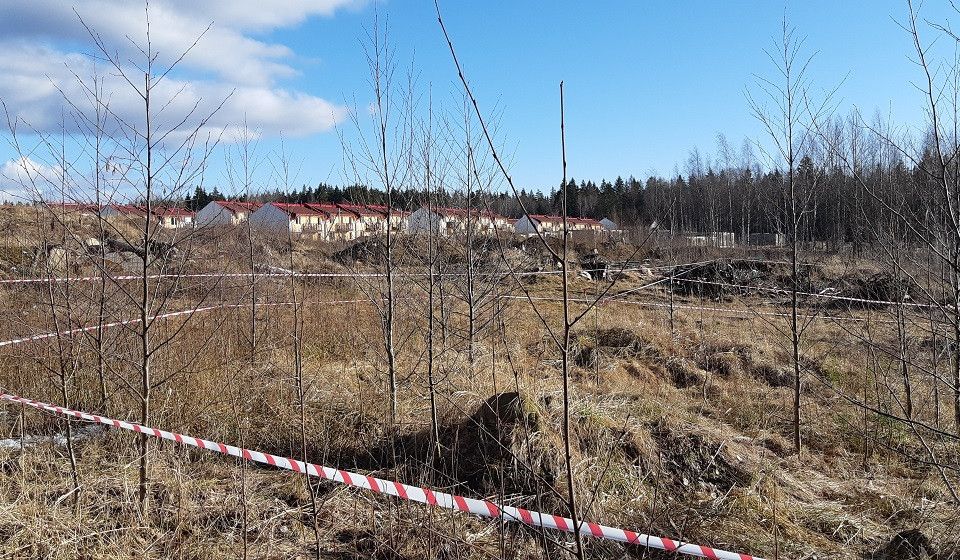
column 228, row 60
column 23, row 179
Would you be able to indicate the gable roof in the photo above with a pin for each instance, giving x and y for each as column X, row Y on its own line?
column 325, row 207
column 382, row 210
column 236, row 206
column 360, row 210
column 292, row 209
column 463, row 213
column 543, row 218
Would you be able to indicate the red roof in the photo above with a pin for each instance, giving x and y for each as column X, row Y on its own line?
column 129, row 209
column 170, row 211
column 559, row 219
column 236, row 206
column 292, row 209
column 326, row 208
column 382, row 210
column 544, row 218
column 462, row 213
column 360, row 210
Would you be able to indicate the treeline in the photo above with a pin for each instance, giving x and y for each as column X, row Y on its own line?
column 844, row 201
column 622, row 198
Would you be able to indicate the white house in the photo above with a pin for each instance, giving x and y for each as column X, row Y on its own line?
column 296, row 218
column 452, row 221
column 172, row 217
column 553, row 225
column 609, row 224
column 358, row 220
column 224, row 212
column 399, row 219
column 167, row 217
column 532, row 223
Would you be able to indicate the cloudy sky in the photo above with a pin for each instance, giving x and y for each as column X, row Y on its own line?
column 646, row 81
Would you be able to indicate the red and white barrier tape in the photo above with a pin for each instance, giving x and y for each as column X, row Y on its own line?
column 483, row 508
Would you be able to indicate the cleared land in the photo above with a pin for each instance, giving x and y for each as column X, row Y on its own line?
column 681, row 404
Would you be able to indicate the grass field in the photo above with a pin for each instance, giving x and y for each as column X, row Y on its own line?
column 680, row 411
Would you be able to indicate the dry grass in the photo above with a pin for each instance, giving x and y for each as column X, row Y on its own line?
column 679, row 433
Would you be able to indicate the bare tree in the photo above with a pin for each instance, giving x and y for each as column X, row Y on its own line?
column 790, row 125
column 384, row 159
column 160, row 157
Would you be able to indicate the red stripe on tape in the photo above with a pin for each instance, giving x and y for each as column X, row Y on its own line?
column 459, row 502
column 492, row 509
column 431, row 497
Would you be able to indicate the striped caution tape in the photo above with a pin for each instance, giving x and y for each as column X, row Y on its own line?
column 482, row 508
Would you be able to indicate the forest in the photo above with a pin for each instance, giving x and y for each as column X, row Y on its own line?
column 856, row 188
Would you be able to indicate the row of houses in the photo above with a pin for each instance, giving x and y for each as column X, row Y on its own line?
column 168, row 217
column 346, row 222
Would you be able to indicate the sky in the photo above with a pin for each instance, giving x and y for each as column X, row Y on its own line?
column 646, row 82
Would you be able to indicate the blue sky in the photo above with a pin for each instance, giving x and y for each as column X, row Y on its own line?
column 645, row 82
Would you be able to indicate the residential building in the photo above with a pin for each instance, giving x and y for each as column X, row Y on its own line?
column 225, row 212
column 453, row 221
column 553, row 225
column 167, row 217
column 295, row 218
